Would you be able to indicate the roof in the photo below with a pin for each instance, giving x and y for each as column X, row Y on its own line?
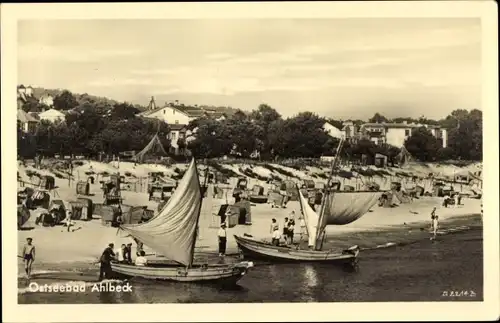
column 189, row 111
column 35, row 115
column 25, row 117
column 51, row 112
column 398, row 125
column 192, row 112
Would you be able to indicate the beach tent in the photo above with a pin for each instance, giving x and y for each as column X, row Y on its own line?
column 291, row 189
column 134, row 215
column 309, row 183
column 47, row 182
column 404, row 157
column 153, row 149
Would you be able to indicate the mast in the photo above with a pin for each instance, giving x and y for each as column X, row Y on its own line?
column 199, row 211
column 325, row 196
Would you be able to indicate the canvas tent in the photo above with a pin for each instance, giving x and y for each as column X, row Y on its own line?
column 403, row 157
column 153, row 149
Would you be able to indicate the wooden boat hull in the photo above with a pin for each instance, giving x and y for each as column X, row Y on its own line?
column 253, row 249
column 224, row 274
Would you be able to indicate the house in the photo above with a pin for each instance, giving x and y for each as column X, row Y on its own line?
column 175, row 113
column 375, row 159
column 52, row 115
column 46, row 100
column 349, row 130
column 177, row 132
column 24, row 91
column 395, row 134
column 26, row 122
column 29, row 91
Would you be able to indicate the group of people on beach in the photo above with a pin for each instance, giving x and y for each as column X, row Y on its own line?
column 123, row 255
column 288, row 230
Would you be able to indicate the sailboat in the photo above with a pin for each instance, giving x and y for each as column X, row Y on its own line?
column 172, row 233
column 337, row 208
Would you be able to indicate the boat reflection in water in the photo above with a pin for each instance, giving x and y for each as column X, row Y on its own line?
column 310, row 276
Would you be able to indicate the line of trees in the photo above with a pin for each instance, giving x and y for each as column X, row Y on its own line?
column 95, row 126
column 91, row 128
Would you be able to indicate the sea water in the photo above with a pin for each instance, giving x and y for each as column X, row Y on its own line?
column 449, row 268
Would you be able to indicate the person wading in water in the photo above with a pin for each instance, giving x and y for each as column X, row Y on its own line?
column 28, row 256
column 107, row 256
column 434, row 225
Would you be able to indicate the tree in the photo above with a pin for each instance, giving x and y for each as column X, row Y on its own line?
column 123, row 111
column 302, row 136
column 211, row 138
column 465, row 134
column 32, row 105
column 422, row 145
column 265, row 120
column 378, row 118
column 65, row 101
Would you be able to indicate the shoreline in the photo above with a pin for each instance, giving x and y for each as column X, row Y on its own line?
column 375, row 238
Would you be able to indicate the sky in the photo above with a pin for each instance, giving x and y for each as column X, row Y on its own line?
column 342, row 68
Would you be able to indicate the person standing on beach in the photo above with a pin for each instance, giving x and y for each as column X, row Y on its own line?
column 222, row 236
column 28, row 256
column 285, row 230
column 107, row 256
column 275, row 233
column 128, row 253
column 120, row 253
column 291, row 228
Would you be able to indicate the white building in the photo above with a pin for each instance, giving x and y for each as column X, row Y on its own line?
column 46, row 100
column 52, row 115
column 174, row 114
column 395, row 134
column 349, row 130
column 29, row 91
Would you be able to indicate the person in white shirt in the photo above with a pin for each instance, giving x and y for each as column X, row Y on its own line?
column 141, row 260
column 275, row 233
column 276, row 237
column 222, row 236
column 120, row 254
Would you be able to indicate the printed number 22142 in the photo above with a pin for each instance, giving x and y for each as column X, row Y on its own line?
column 458, row 293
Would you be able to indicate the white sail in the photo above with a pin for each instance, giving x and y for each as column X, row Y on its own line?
column 173, row 231
column 342, row 208
column 346, row 207
column 310, row 217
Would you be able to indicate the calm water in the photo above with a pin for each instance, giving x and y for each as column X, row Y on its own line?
column 417, row 271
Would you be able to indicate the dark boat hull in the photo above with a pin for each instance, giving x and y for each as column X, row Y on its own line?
column 220, row 274
column 257, row 250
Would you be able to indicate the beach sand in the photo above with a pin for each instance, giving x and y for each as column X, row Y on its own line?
column 56, row 246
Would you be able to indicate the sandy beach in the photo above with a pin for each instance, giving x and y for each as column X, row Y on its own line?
column 55, row 245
